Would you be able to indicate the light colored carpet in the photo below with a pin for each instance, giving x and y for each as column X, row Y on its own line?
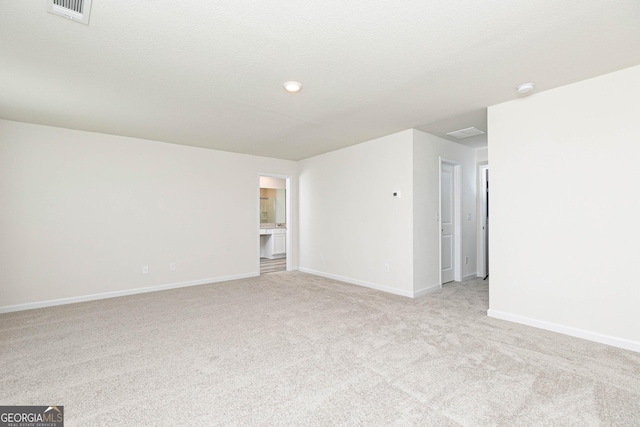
column 293, row 349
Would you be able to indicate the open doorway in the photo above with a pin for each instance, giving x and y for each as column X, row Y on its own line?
column 483, row 220
column 274, row 223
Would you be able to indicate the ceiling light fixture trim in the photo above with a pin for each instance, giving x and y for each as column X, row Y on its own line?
column 292, row 86
column 525, row 88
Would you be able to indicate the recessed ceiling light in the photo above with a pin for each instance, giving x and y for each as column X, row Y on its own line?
column 525, row 88
column 292, row 86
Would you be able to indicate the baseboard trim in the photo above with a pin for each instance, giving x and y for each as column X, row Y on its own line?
column 426, row 291
column 370, row 285
column 122, row 293
column 567, row 330
column 470, row 277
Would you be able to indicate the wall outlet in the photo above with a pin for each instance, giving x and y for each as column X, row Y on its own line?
column 145, row 269
column 172, row 266
column 322, row 258
column 386, row 267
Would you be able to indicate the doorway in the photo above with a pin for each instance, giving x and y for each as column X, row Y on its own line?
column 274, row 207
column 450, row 227
column 483, row 218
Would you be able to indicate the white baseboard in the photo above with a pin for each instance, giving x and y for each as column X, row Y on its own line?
column 426, row 291
column 370, row 285
column 470, row 277
column 567, row 330
column 125, row 292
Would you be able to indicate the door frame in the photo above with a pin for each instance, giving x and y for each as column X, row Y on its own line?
column 483, row 232
column 457, row 218
column 290, row 224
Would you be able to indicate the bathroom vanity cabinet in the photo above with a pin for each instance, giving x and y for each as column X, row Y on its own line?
column 273, row 242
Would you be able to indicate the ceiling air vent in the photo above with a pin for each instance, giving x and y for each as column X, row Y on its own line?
column 76, row 10
column 466, row 133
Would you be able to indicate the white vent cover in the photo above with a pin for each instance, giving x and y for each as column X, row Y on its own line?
column 466, row 133
column 77, row 10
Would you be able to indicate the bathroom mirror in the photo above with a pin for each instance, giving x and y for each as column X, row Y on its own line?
column 273, row 206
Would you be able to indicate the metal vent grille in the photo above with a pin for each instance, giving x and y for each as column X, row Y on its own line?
column 75, row 5
column 76, row 10
column 466, row 133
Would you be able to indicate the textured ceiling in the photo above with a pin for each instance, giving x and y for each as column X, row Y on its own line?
column 210, row 73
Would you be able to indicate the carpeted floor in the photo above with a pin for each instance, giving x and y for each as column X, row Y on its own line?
column 293, row 349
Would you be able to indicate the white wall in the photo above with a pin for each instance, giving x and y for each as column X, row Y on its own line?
column 81, row 212
column 564, row 199
column 350, row 225
column 428, row 149
column 482, row 154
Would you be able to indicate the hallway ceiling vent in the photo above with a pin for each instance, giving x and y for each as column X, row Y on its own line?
column 76, row 10
column 466, row 133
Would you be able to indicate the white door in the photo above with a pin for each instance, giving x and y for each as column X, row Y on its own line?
column 446, row 222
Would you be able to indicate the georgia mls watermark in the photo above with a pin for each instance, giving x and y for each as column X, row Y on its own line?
column 31, row 416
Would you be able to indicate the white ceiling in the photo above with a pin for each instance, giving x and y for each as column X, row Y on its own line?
column 210, row 73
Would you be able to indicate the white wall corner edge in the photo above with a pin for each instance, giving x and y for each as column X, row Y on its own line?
column 567, row 330
column 122, row 293
column 427, row 290
column 363, row 283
